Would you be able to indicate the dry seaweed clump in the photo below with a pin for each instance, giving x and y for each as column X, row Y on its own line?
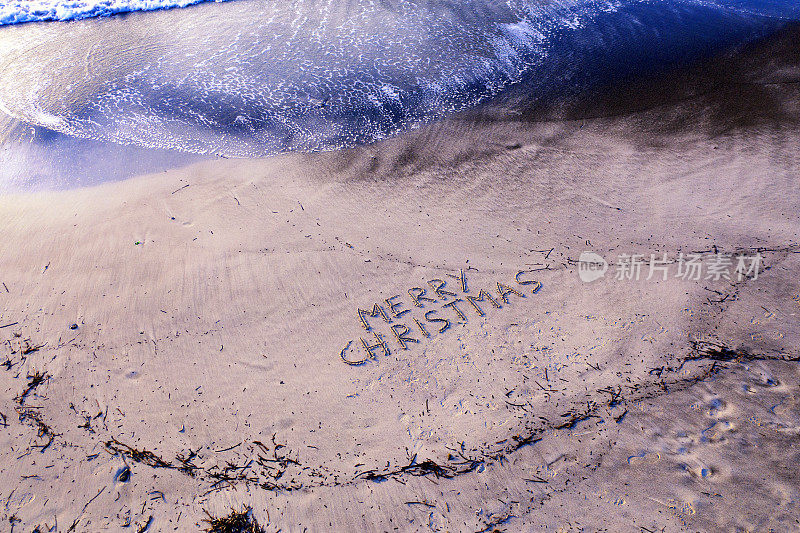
column 236, row 522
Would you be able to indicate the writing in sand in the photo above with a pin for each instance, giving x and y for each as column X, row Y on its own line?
column 427, row 311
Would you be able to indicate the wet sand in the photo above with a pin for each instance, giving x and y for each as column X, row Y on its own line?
column 177, row 343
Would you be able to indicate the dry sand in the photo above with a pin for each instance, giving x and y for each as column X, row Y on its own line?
column 212, row 306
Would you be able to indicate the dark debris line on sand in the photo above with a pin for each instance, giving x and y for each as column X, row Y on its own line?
column 275, row 459
column 272, row 466
column 32, row 417
column 717, row 354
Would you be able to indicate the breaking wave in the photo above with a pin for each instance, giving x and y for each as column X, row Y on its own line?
column 257, row 77
column 21, row 11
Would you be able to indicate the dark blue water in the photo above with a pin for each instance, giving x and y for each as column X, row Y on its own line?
column 251, row 77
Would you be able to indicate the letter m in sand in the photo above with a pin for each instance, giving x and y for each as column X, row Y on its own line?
column 376, row 312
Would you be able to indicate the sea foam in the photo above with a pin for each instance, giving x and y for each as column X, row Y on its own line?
column 20, row 11
column 258, row 77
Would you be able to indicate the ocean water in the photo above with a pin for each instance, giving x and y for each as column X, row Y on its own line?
column 21, row 11
column 249, row 78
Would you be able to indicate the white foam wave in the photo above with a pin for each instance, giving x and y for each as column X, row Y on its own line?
column 19, row 11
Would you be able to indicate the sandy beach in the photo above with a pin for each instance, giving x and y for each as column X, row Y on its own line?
column 205, row 339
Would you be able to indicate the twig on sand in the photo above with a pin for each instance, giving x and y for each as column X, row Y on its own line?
column 426, row 504
column 236, row 522
column 139, row 456
column 228, row 449
column 146, row 525
column 77, row 520
column 535, row 479
column 33, row 418
column 34, row 380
